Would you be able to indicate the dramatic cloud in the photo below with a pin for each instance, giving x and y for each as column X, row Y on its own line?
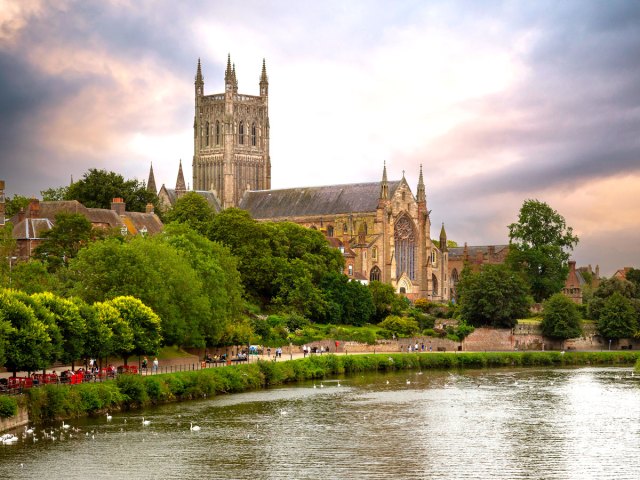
column 498, row 101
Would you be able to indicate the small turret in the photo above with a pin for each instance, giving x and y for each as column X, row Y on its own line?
column 199, row 83
column 384, row 185
column 151, row 184
column 235, row 79
column 228, row 76
column 443, row 239
column 264, row 81
column 181, row 186
column 421, row 195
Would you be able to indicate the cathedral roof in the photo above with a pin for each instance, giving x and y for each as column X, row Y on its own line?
column 208, row 195
column 308, row 201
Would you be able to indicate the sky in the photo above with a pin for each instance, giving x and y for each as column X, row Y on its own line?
column 499, row 101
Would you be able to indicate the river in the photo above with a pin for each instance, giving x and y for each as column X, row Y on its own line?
column 581, row 423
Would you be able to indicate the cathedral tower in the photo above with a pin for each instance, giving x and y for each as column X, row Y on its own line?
column 231, row 138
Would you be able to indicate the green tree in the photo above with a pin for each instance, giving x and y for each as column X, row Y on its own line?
column 494, row 296
column 560, row 318
column 7, row 252
column 618, row 318
column 114, row 334
column 150, row 270
column 539, row 246
column 217, row 269
column 98, row 188
column 15, row 204
column 27, row 344
column 607, row 287
column 193, row 210
column 70, row 322
column 54, row 194
column 385, row 301
column 33, row 277
column 349, row 302
column 633, row 276
column 400, row 326
column 70, row 232
column 144, row 323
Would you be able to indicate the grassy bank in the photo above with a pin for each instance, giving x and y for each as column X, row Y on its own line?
column 133, row 391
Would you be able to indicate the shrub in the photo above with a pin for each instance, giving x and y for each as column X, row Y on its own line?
column 400, row 326
column 133, row 389
column 8, row 406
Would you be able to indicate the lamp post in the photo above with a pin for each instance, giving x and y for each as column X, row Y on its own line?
column 11, row 259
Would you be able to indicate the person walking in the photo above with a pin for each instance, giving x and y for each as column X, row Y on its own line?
column 155, row 364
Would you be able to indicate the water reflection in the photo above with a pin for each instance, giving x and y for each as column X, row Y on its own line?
column 505, row 424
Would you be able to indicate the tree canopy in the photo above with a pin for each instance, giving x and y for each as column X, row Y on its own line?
column 192, row 210
column 98, row 188
column 618, row 318
column 560, row 318
column 70, row 232
column 539, row 246
column 494, row 296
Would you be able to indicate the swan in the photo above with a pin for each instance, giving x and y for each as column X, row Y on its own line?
column 408, row 382
column 109, row 417
column 28, row 431
column 145, row 422
column 321, row 385
column 339, row 383
column 195, row 428
column 65, row 425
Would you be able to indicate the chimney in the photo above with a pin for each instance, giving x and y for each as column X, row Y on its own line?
column 118, row 205
column 34, row 208
column 149, row 208
column 21, row 215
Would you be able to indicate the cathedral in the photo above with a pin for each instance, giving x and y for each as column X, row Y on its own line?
column 382, row 228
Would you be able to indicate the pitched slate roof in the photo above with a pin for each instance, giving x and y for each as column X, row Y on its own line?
column 309, row 201
column 31, row 228
column 209, row 196
column 458, row 252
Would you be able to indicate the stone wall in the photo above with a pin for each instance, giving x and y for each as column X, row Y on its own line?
column 22, row 418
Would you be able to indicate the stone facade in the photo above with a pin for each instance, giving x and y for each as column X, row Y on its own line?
column 473, row 257
column 231, row 139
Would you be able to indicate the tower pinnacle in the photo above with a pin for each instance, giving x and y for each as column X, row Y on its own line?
column 420, row 194
column 384, row 185
column 151, row 184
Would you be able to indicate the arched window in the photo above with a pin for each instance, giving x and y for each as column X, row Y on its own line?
column 345, row 228
column 330, row 231
column 374, row 253
column 405, row 242
column 434, row 286
column 207, row 134
column 454, row 276
column 253, row 134
column 241, row 133
column 375, row 274
column 217, row 132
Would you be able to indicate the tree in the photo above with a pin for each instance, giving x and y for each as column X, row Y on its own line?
column 633, row 276
column 27, row 344
column 385, row 301
column 15, row 204
column 400, row 326
column 98, row 188
column 33, row 277
column 7, row 249
column 70, row 232
column 348, row 302
column 193, row 210
column 70, row 322
column 494, row 296
column 144, row 323
column 54, row 194
column 618, row 318
column 560, row 318
column 114, row 334
column 539, row 245
column 606, row 289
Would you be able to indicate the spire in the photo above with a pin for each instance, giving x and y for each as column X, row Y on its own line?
column 228, row 73
column 235, row 79
column 199, row 78
column 264, row 81
column 422, row 197
column 443, row 239
column 180, row 185
column 384, row 185
column 71, row 180
column 151, row 184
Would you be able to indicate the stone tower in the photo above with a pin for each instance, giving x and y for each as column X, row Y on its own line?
column 231, row 139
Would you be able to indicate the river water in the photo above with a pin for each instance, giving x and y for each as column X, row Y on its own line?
column 478, row 424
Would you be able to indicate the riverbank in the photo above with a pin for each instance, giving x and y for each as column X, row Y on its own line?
column 55, row 402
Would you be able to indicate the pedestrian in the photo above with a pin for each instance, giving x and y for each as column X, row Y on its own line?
column 269, row 352
column 337, row 345
column 155, row 364
column 145, row 362
column 304, row 351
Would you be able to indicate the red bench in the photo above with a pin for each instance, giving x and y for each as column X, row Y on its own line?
column 16, row 383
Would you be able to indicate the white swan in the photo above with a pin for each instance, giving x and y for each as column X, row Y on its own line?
column 109, row 417
column 65, row 425
column 145, row 422
column 195, row 428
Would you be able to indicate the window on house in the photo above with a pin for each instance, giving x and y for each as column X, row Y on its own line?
column 330, row 231
column 351, row 270
column 374, row 253
column 375, row 274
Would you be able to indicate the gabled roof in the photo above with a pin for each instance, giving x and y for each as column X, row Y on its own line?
column 104, row 216
column 458, row 252
column 310, row 201
column 140, row 220
column 31, row 228
column 208, row 195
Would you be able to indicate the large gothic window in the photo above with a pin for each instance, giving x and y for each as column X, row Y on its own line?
column 405, row 242
column 253, row 134
column 241, row 133
column 434, row 285
column 375, row 274
column 217, row 132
